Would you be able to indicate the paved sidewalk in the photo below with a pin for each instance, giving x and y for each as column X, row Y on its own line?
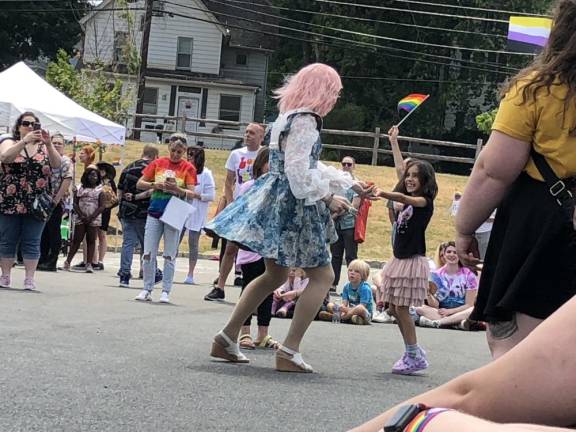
column 80, row 355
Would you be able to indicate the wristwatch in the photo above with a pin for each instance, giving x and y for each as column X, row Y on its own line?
column 403, row 416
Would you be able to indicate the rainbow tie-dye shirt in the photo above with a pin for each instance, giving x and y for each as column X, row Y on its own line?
column 157, row 171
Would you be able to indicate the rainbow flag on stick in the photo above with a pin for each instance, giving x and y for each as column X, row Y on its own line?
column 410, row 103
column 528, row 35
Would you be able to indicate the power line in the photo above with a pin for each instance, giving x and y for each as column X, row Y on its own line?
column 453, row 6
column 347, row 44
column 371, row 45
column 332, row 15
column 419, row 80
column 369, row 35
column 362, row 5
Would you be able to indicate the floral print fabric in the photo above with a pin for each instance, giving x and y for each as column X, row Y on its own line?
column 271, row 221
column 22, row 181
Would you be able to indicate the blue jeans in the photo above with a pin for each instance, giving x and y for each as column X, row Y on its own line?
column 155, row 229
column 25, row 230
column 132, row 235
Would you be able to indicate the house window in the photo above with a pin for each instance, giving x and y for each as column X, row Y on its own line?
column 184, row 53
column 230, row 108
column 241, row 59
column 150, row 101
column 120, row 40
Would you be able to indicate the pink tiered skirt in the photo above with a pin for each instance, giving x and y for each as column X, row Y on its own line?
column 405, row 281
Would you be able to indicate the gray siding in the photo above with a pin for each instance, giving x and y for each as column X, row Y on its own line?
column 254, row 73
column 207, row 40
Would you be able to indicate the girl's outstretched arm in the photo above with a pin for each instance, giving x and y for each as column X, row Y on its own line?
column 399, row 164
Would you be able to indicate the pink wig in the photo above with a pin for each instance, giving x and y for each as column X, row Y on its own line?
column 315, row 86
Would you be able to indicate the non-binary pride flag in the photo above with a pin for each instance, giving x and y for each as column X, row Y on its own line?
column 412, row 101
column 528, row 35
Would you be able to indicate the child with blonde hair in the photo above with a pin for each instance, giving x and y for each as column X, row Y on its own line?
column 356, row 305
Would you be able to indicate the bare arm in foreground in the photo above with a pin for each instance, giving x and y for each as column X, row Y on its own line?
column 533, row 383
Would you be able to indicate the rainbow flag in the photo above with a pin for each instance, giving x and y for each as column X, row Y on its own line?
column 528, row 35
column 412, row 101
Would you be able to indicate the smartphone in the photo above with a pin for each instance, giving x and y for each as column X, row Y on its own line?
column 37, row 126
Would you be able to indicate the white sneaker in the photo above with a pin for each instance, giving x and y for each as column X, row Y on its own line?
column 164, row 298
column 383, row 317
column 189, row 281
column 426, row 322
column 144, row 295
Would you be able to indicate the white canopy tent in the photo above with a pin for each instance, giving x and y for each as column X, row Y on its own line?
column 21, row 89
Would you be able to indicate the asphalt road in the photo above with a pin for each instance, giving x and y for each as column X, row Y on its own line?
column 80, row 355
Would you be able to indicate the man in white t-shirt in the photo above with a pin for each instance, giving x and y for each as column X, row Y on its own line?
column 238, row 172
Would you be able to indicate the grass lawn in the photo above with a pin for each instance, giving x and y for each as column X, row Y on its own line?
column 377, row 245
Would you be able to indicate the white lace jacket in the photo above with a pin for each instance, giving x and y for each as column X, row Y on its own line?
column 310, row 184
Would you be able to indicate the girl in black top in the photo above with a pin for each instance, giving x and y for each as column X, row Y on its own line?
column 405, row 276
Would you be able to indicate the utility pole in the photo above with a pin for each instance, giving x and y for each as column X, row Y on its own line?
column 143, row 66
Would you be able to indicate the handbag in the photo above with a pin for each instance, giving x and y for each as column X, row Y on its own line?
column 362, row 221
column 43, row 204
column 110, row 198
column 562, row 190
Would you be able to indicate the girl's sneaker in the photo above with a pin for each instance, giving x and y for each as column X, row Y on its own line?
column 409, row 365
column 189, row 280
column 89, row 268
column 5, row 281
column 29, row 284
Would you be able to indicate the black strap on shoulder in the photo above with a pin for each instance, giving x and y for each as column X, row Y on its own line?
column 312, row 113
column 289, row 123
column 556, row 186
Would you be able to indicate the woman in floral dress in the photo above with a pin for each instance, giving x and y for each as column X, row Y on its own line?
column 27, row 159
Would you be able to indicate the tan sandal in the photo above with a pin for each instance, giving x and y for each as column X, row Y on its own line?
column 288, row 360
column 224, row 348
column 267, row 343
column 246, row 342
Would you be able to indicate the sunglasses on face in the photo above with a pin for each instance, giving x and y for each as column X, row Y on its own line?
column 179, row 139
column 347, row 164
column 27, row 123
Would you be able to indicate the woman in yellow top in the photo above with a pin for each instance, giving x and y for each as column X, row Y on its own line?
column 530, row 266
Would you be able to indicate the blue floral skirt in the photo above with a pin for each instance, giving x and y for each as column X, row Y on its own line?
column 270, row 221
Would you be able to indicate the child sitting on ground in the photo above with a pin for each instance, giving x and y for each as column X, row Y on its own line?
column 356, row 296
column 286, row 295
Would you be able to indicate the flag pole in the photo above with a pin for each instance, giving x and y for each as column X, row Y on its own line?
column 410, row 113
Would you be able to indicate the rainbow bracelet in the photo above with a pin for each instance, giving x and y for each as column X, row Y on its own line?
column 419, row 423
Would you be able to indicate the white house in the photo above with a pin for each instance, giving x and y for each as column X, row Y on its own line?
column 196, row 64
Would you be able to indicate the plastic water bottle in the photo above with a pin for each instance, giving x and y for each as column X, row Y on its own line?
column 336, row 314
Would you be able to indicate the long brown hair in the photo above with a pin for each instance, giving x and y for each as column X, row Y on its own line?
column 555, row 64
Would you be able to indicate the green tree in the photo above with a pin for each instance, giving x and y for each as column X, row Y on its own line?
column 32, row 29
column 91, row 88
column 457, row 93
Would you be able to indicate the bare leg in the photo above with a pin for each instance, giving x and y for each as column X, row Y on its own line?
column 30, row 267
column 79, row 232
column 502, row 337
column 428, row 312
column 92, row 234
column 308, row 304
column 407, row 327
column 254, row 293
column 7, row 264
column 227, row 264
column 546, row 397
column 457, row 318
column 102, row 245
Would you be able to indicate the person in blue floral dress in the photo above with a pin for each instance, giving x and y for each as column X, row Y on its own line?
column 286, row 216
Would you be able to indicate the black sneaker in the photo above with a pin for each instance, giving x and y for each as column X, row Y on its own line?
column 124, row 281
column 79, row 266
column 98, row 266
column 238, row 281
column 216, row 294
column 45, row 267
